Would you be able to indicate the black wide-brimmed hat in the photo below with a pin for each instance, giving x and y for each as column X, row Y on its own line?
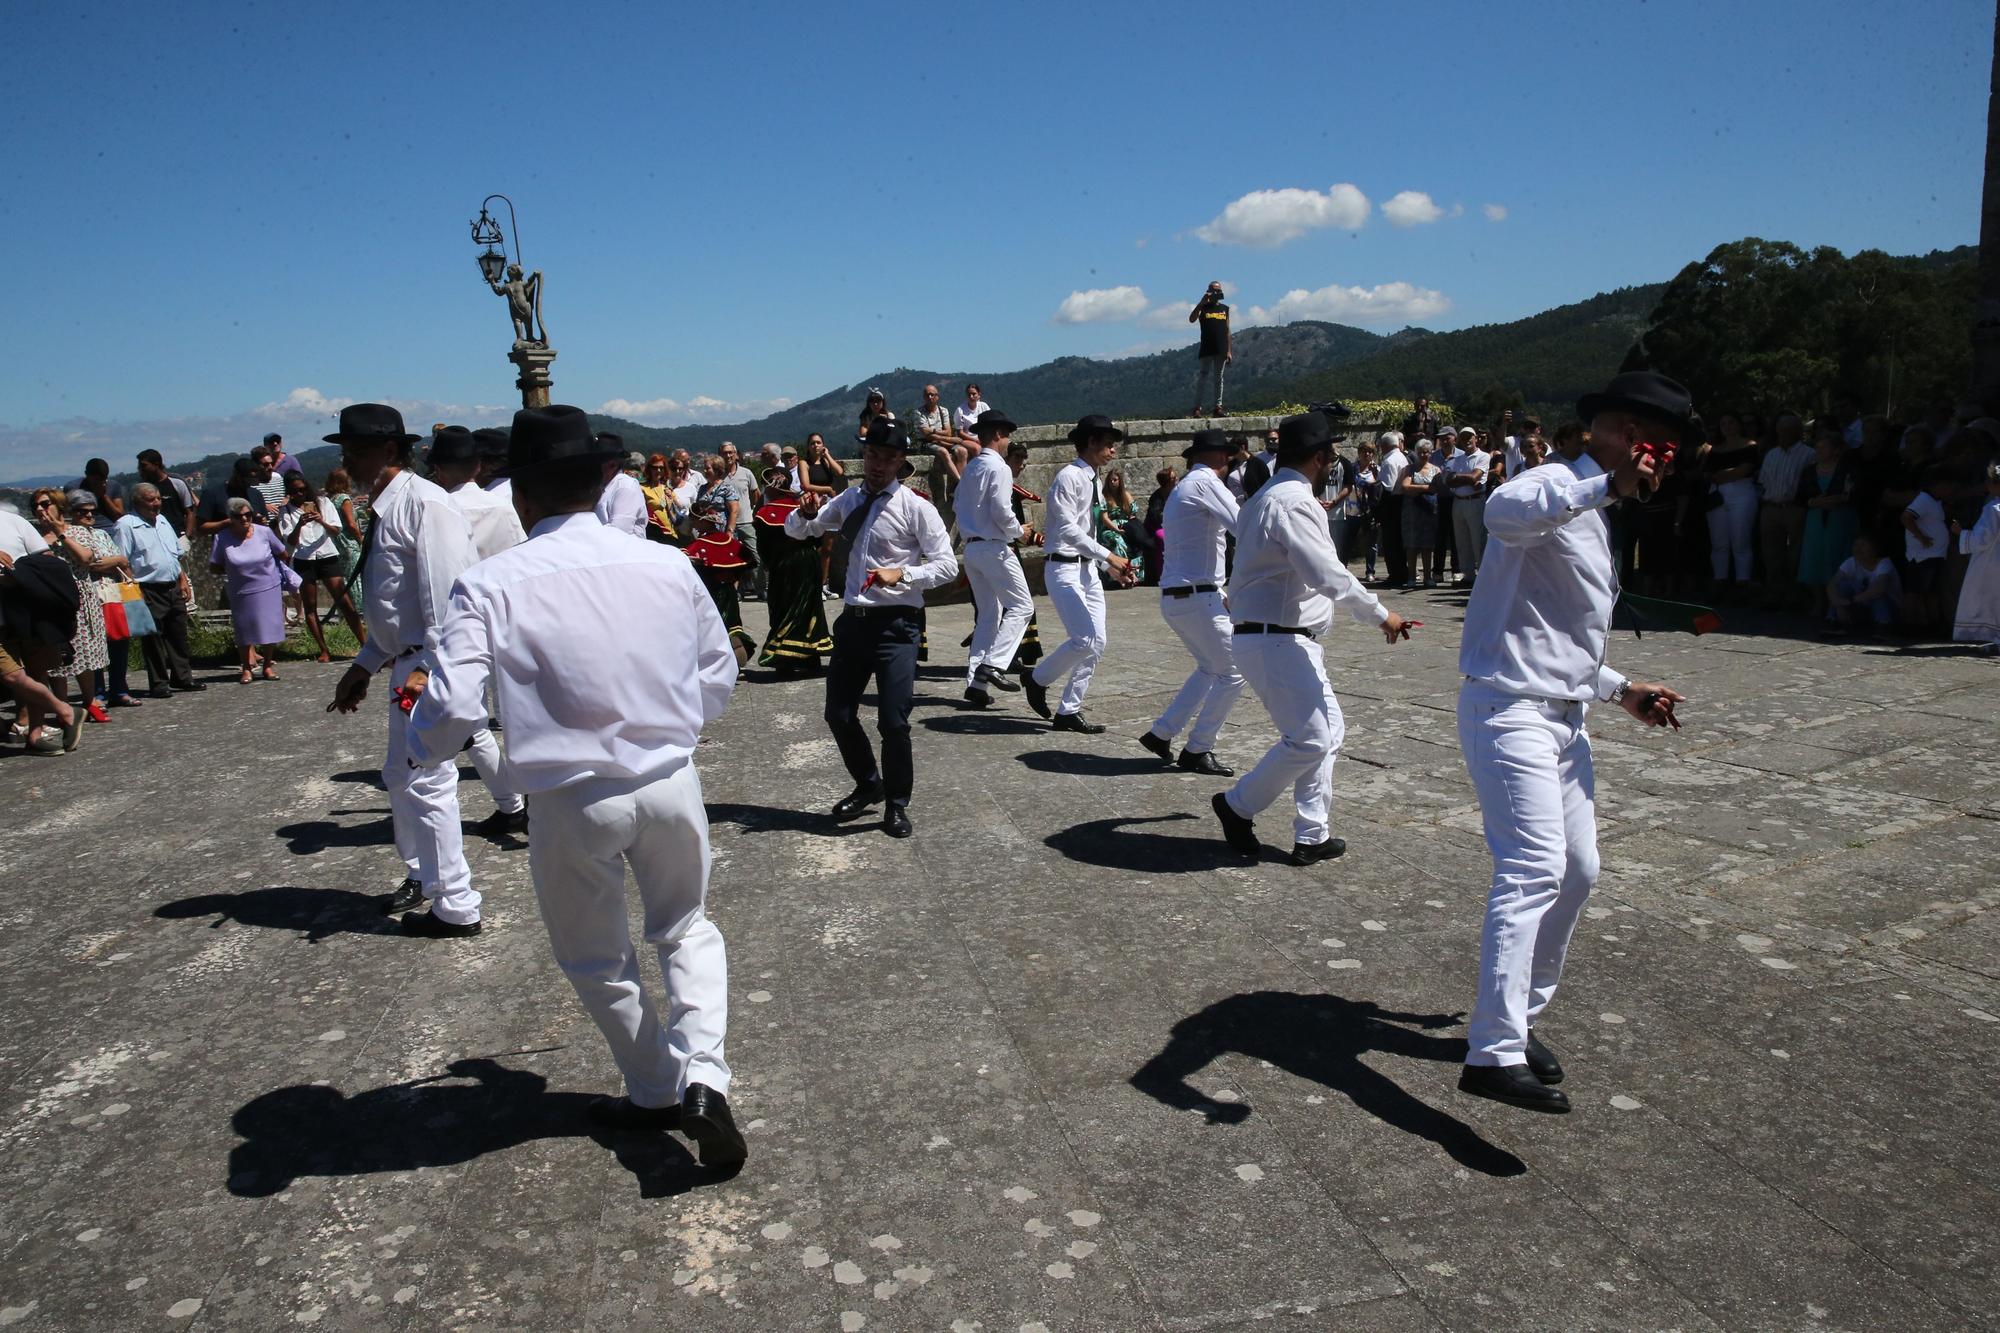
column 1305, row 434
column 993, row 422
column 453, row 444
column 1644, row 393
column 492, row 443
column 555, row 434
column 1208, row 441
column 1094, row 424
column 371, row 423
column 885, row 432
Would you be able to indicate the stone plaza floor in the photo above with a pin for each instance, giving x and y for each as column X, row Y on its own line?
column 1055, row 1063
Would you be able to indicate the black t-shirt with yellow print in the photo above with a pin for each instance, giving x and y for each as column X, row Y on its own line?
column 1215, row 330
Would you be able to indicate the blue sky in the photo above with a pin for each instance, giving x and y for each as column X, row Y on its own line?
column 223, row 217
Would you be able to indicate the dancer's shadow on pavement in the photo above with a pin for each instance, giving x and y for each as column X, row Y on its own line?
column 318, row 913
column 1119, row 844
column 1322, row 1038
column 317, row 835
column 312, row 1130
column 1088, row 765
column 970, row 721
column 752, row 819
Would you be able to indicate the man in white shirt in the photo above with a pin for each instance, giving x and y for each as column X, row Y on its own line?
column 604, row 728
column 896, row 547
column 453, row 459
column 1198, row 520
column 1781, row 518
column 1466, row 474
column 1533, row 660
column 492, row 476
column 1073, row 554
column 1286, row 585
column 1000, row 596
column 416, row 546
column 622, row 507
column 1390, row 469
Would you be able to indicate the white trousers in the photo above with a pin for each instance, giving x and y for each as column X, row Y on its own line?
column 1078, row 597
column 1468, row 530
column 1000, row 592
column 423, row 810
column 1732, row 530
column 492, row 769
column 1202, row 622
column 1530, row 764
column 582, row 838
column 1288, row 671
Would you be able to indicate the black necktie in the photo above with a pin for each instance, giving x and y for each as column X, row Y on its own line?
column 367, row 546
column 850, row 527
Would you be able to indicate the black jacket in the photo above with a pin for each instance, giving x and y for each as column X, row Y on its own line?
column 40, row 606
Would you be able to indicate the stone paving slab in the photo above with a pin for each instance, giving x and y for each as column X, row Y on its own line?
column 1057, row 1062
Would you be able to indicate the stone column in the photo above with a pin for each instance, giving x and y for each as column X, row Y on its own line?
column 534, row 383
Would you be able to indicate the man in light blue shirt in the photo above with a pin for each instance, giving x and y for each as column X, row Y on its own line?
column 152, row 546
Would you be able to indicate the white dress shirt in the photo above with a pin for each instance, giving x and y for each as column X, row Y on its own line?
column 495, row 525
column 417, row 546
column 580, row 702
column 622, row 507
column 1778, row 475
column 502, row 489
column 1287, row 572
column 1198, row 518
column 1541, row 610
column 902, row 532
column 1389, row 469
column 984, row 501
column 1467, row 472
column 19, row 537
column 1072, row 526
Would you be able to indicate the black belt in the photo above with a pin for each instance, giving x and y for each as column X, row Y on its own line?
column 1190, row 590
column 869, row 612
column 1252, row 627
column 970, row 540
column 1069, row 559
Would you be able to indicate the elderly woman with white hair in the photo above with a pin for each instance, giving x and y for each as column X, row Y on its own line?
column 254, row 564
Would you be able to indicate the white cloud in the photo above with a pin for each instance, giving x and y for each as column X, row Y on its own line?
column 1495, row 212
column 1389, row 303
column 699, row 409
column 1411, row 208
column 1166, row 316
column 1100, row 305
column 1266, row 219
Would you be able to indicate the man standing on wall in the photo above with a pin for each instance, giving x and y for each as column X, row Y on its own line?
column 1212, row 314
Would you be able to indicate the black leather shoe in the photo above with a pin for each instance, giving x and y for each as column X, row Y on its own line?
column 435, row 928
column 977, row 697
column 1164, row 749
column 620, row 1113
column 1542, row 1062
column 705, row 1119
column 189, row 686
column 1237, row 831
column 995, row 678
column 1516, row 1085
column 1074, row 722
column 1038, row 695
column 500, row 823
column 852, row 804
column 408, row 894
column 1204, row 763
column 159, row 692
column 896, row 822
column 1312, row 853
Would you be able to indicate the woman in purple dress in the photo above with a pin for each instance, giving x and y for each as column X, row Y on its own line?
column 251, row 558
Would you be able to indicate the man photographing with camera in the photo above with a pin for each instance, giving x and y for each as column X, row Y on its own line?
column 1212, row 314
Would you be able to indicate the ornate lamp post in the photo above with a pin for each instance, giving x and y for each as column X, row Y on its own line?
column 532, row 353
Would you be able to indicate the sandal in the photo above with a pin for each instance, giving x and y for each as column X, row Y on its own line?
column 95, row 712
column 125, row 701
column 268, row 673
column 243, row 676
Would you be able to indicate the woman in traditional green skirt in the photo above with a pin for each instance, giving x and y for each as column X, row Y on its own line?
column 798, row 637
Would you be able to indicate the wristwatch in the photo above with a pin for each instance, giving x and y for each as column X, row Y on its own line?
column 1618, row 695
